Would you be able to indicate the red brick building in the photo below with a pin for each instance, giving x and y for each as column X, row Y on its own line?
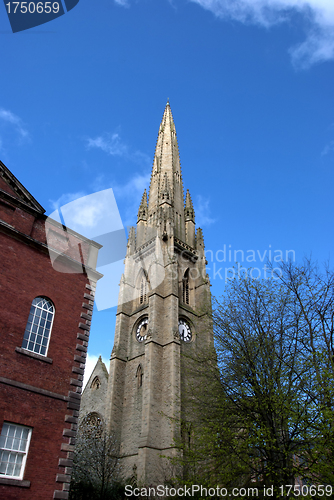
column 44, row 327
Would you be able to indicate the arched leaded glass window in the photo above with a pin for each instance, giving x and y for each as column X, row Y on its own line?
column 38, row 330
column 185, row 287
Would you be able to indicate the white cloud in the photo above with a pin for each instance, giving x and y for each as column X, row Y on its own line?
column 109, row 143
column 134, row 187
column 8, row 117
column 318, row 47
column 328, row 149
column 91, row 215
column 85, row 214
column 123, row 3
column 91, row 361
column 129, row 194
column 66, row 198
column 112, row 144
column 318, row 16
column 202, row 212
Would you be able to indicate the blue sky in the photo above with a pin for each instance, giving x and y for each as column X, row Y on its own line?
column 250, row 84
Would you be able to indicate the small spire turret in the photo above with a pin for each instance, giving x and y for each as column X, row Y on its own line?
column 200, row 242
column 189, row 217
column 189, row 212
column 142, row 220
column 131, row 242
column 143, row 208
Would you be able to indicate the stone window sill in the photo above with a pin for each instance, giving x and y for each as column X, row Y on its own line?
column 15, row 482
column 33, row 355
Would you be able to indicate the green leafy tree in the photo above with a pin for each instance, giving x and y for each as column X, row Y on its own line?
column 262, row 377
column 313, row 290
column 262, row 406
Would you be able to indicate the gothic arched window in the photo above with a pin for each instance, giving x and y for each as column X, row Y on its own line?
column 96, row 384
column 143, row 290
column 185, row 287
column 92, row 425
column 38, row 330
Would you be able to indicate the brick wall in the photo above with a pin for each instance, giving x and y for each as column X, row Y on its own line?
column 41, row 392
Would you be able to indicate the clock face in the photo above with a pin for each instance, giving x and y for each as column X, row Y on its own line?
column 141, row 331
column 184, row 331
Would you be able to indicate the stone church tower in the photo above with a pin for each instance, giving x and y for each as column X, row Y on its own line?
column 163, row 315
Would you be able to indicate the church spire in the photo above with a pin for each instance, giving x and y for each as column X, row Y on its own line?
column 164, row 295
column 166, row 180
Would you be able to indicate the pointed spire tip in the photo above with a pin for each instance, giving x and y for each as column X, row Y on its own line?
column 144, row 198
column 189, row 202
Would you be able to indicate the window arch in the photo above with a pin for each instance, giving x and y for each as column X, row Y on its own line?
column 38, row 330
column 92, row 425
column 185, row 287
column 96, row 384
column 143, row 289
column 139, row 376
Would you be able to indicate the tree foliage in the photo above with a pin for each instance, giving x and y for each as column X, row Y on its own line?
column 96, row 471
column 313, row 291
column 263, row 410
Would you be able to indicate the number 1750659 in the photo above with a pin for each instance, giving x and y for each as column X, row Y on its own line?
column 32, row 7
column 318, row 490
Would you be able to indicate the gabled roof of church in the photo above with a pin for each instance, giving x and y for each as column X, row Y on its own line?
column 99, row 369
column 12, row 186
